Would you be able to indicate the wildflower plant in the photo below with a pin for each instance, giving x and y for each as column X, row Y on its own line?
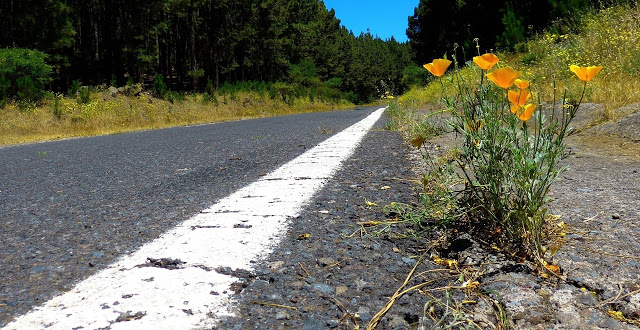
column 510, row 152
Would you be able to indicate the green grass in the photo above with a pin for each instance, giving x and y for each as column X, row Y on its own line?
column 99, row 113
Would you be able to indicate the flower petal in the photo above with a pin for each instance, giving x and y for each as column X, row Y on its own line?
column 522, row 84
column 438, row 66
column 585, row 73
column 503, row 77
column 527, row 112
column 519, row 97
column 486, row 61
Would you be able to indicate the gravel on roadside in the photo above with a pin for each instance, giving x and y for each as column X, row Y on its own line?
column 334, row 269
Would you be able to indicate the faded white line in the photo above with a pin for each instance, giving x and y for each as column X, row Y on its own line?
column 239, row 229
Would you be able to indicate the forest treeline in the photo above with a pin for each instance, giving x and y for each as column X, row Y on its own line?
column 189, row 43
column 208, row 45
column 437, row 25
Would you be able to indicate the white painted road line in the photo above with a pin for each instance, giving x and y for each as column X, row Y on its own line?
column 238, row 229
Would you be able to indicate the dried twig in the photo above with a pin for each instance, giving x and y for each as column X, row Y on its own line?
column 619, row 296
column 305, row 271
column 376, row 319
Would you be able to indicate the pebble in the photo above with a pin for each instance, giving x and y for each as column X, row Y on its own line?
column 326, row 261
column 408, row 260
column 282, row 316
column 324, row 288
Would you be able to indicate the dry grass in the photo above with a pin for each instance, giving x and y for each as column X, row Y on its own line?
column 106, row 114
column 610, row 37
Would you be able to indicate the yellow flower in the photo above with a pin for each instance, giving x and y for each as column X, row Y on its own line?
column 503, row 77
column 519, row 98
column 486, row 61
column 585, row 73
column 522, row 84
column 438, row 66
column 523, row 112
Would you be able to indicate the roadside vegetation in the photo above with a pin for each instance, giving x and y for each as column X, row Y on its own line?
column 511, row 138
column 180, row 62
column 608, row 37
column 98, row 111
column 510, row 112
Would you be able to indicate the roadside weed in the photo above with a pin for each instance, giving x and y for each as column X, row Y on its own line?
column 509, row 154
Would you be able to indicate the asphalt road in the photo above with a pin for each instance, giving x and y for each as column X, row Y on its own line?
column 69, row 208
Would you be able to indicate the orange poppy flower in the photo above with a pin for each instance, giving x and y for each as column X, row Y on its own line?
column 519, row 98
column 523, row 112
column 486, row 61
column 585, row 73
column 522, row 84
column 438, row 66
column 503, row 77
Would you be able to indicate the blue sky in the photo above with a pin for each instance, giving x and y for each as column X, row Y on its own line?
column 385, row 18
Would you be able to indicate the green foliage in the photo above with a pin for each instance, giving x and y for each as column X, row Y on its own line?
column 334, row 83
column 230, row 41
column 23, row 74
column 305, row 73
column 84, row 95
column 210, row 93
column 160, row 88
column 74, row 88
column 437, row 25
column 286, row 92
column 43, row 25
column 57, row 109
column 414, row 75
column 514, row 32
column 5, row 84
column 27, row 90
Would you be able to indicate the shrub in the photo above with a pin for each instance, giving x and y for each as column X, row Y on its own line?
column 414, row 75
column 23, row 74
column 286, row 91
column 74, row 88
column 160, row 88
column 84, row 95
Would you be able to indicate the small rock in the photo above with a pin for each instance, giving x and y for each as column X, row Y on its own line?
column 323, row 288
column 282, row 316
column 365, row 317
column 341, row 290
column 326, row 261
column 615, row 216
column 332, row 324
column 408, row 260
